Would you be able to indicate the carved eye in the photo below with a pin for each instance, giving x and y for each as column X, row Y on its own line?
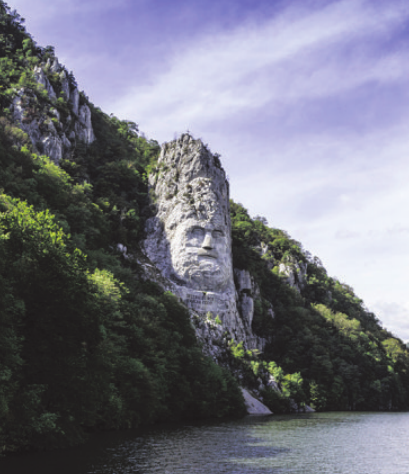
column 197, row 232
column 217, row 234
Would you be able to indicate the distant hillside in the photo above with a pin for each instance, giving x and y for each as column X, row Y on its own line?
column 320, row 328
column 88, row 341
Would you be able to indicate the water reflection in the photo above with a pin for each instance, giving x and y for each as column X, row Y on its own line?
column 345, row 443
column 192, row 449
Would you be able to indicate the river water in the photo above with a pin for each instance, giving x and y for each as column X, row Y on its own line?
column 316, row 443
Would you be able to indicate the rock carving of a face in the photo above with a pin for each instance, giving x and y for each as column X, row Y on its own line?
column 189, row 239
column 200, row 252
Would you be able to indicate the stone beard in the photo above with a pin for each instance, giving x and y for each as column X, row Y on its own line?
column 201, row 253
column 189, row 237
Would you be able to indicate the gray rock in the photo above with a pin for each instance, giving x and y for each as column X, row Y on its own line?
column 189, row 242
column 243, row 280
column 189, row 238
column 75, row 100
column 54, row 65
column 271, row 383
column 247, row 309
column 254, row 406
column 247, row 292
column 245, row 287
column 298, row 409
column 54, row 111
column 65, row 142
column 42, row 79
column 45, row 141
column 52, row 146
column 295, row 272
column 17, row 107
column 65, row 84
column 40, row 127
column 28, row 124
column 83, row 127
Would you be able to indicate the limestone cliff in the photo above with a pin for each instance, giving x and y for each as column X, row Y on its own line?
column 294, row 273
column 52, row 112
column 189, row 241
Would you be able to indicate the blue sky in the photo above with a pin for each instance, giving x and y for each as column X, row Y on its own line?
column 307, row 101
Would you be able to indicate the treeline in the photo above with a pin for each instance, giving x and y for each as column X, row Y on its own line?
column 344, row 358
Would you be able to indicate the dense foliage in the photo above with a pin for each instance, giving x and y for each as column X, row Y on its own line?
column 84, row 343
column 323, row 332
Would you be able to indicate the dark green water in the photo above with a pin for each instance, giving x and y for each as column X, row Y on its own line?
column 318, row 443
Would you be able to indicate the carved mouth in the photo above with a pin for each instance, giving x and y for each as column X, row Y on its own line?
column 204, row 253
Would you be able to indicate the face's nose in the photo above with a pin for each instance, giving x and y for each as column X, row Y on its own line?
column 208, row 241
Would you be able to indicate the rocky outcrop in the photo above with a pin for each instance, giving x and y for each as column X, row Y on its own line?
column 254, row 406
column 189, row 241
column 83, row 126
column 53, row 127
column 42, row 79
column 246, row 289
column 247, row 292
column 295, row 273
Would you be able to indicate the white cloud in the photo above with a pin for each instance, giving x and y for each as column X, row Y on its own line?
column 395, row 317
column 45, row 10
column 352, row 213
column 288, row 58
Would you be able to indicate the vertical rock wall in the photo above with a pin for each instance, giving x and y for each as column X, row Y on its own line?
column 189, row 241
column 50, row 133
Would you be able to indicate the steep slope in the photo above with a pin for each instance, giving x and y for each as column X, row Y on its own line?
column 84, row 343
column 39, row 95
column 281, row 312
column 320, row 328
column 90, row 339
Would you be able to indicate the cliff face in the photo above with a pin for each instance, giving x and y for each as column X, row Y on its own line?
column 189, row 241
column 52, row 114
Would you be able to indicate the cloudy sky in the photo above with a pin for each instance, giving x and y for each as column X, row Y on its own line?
column 306, row 100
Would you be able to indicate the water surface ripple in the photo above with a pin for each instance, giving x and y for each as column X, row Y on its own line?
column 317, row 443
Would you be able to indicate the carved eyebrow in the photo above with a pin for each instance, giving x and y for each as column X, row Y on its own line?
column 196, row 228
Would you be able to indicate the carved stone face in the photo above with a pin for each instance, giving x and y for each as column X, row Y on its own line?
column 200, row 253
column 189, row 239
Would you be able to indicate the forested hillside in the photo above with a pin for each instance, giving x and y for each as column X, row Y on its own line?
column 321, row 329
column 87, row 343
column 84, row 343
